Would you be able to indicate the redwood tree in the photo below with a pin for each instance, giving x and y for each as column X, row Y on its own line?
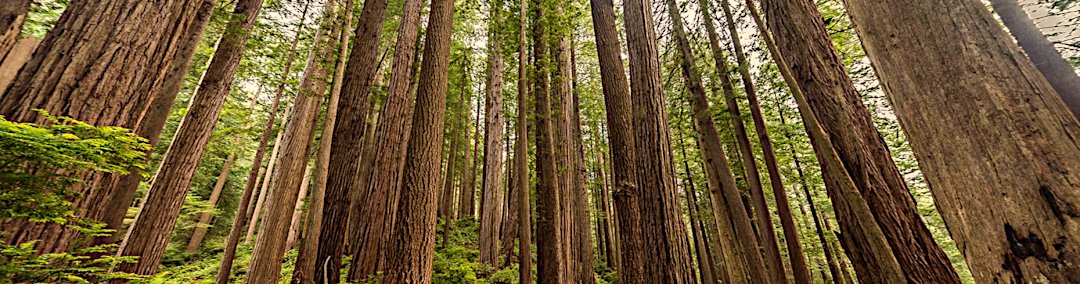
column 413, row 237
column 492, row 201
column 966, row 95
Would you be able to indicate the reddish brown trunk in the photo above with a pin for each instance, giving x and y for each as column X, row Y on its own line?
column 669, row 259
column 392, row 134
column 967, row 95
column 724, row 179
column 148, row 235
column 551, row 263
column 270, row 245
column 619, row 105
column 867, row 243
column 202, row 226
column 492, row 200
column 521, row 159
column 86, row 54
column 704, row 265
column 467, row 196
column 413, row 241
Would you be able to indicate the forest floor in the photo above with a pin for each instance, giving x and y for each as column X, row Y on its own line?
column 456, row 262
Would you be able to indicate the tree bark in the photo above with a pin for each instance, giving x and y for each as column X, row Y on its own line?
column 491, row 204
column 619, row 106
column 705, row 267
column 669, row 259
column 320, row 253
column 550, row 233
column 864, row 155
column 866, row 240
column 12, row 17
column 1041, row 51
column 148, row 235
column 298, row 210
column 256, row 208
column 413, row 241
column 794, row 247
column 270, row 247
column 392, row 134
column 723, row 178
column 86, row 54
column 155, row 120
column 202, row 227
column 467, row 196
column 521, row 158
column 446, row 196
column 976, row 102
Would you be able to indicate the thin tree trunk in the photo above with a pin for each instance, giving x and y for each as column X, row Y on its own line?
column 830, row 259
column 148, row 235
column 362, row 190
column 715, row 154
column 619, row 105
column 492, row 200
column 705, row 267
column 298, row 210
column 446, row 196
column 1041, row 51
column 967, row 95
column 392, row 134
column 270, row 247
column 85, row 69
column 413, row 241
column 256, row 208
column 203, row 224
column 791, row 237
column 869, row 245
column 521, row 158
column 467, row 196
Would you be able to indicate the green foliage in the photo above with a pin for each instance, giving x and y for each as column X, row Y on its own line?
column 40, row 168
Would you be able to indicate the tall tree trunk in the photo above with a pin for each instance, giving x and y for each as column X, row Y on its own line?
column 270, row 247
column 830, row 260
column 619, row 105
column 203, row 224
column 723, row 178
column 155, row 119
column 492, row 200
column 361, row 190
column 257, row 206
column 521, row 157
column 347, row 150
column 309, row 263
column 467, row 196
column 446, row 196
column 391, row 135
column 1041, row 51
column 86, row 54
column 607, row 229
column 705, row 267
column 868, row 244
column 551, row 264
column 865, row 157
column 148, row 236
column 12, row 17
column 975, row 98
column 791, row 237
column 584, row 245
column 413, row 241
column 561, row 92
column 298, row 211
column 761, row 214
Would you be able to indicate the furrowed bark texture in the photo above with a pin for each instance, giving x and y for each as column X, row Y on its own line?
column 521, row 160
column 492, row 202
column 148, row 235
column 12, row 17
column 392, row 134
column 270, row 244
column 669, row 257
column 832, row 96
column 413, row 242
column 966, row 95
column 90, row 72
column 619, row 106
